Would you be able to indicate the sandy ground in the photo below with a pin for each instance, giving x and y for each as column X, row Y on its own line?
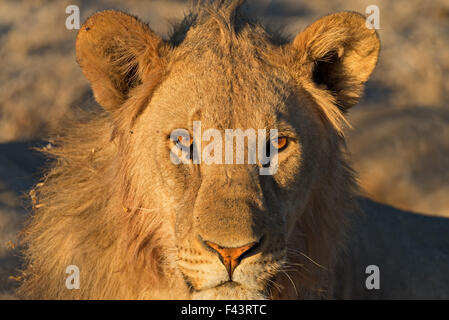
column 400, row 139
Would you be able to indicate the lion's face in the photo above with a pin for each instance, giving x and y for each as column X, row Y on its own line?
column 229, row 224
column 229, row 205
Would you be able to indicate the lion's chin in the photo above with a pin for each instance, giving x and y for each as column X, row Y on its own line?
column 229, row 291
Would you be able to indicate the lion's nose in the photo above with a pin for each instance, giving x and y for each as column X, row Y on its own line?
column 231, row 257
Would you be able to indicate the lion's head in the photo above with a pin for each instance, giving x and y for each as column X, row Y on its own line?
column 140, row 226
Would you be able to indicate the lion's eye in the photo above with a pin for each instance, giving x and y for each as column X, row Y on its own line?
column 280, row 143
column 185, row 141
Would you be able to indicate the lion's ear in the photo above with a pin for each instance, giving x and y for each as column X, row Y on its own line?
column 338, row 53
column 116, row 52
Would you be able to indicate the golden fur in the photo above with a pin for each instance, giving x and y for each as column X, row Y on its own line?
column 114, row 205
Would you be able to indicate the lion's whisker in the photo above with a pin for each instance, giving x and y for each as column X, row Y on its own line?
column 307, row 257
column 291, row 280
column 273, row 284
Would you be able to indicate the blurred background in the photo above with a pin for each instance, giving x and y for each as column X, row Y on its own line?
column 400, row 136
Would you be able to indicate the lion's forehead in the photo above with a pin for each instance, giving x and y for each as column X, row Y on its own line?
column 224, row 93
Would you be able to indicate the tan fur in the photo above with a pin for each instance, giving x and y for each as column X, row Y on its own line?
column 114, row 205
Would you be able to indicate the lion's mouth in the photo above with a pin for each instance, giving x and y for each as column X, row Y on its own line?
column 230, row 290
column 229, row 284
column 225, row 283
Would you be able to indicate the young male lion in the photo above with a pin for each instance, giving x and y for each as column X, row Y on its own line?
column 139, row 226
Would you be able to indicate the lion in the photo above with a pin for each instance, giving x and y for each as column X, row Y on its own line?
column 138, row 226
